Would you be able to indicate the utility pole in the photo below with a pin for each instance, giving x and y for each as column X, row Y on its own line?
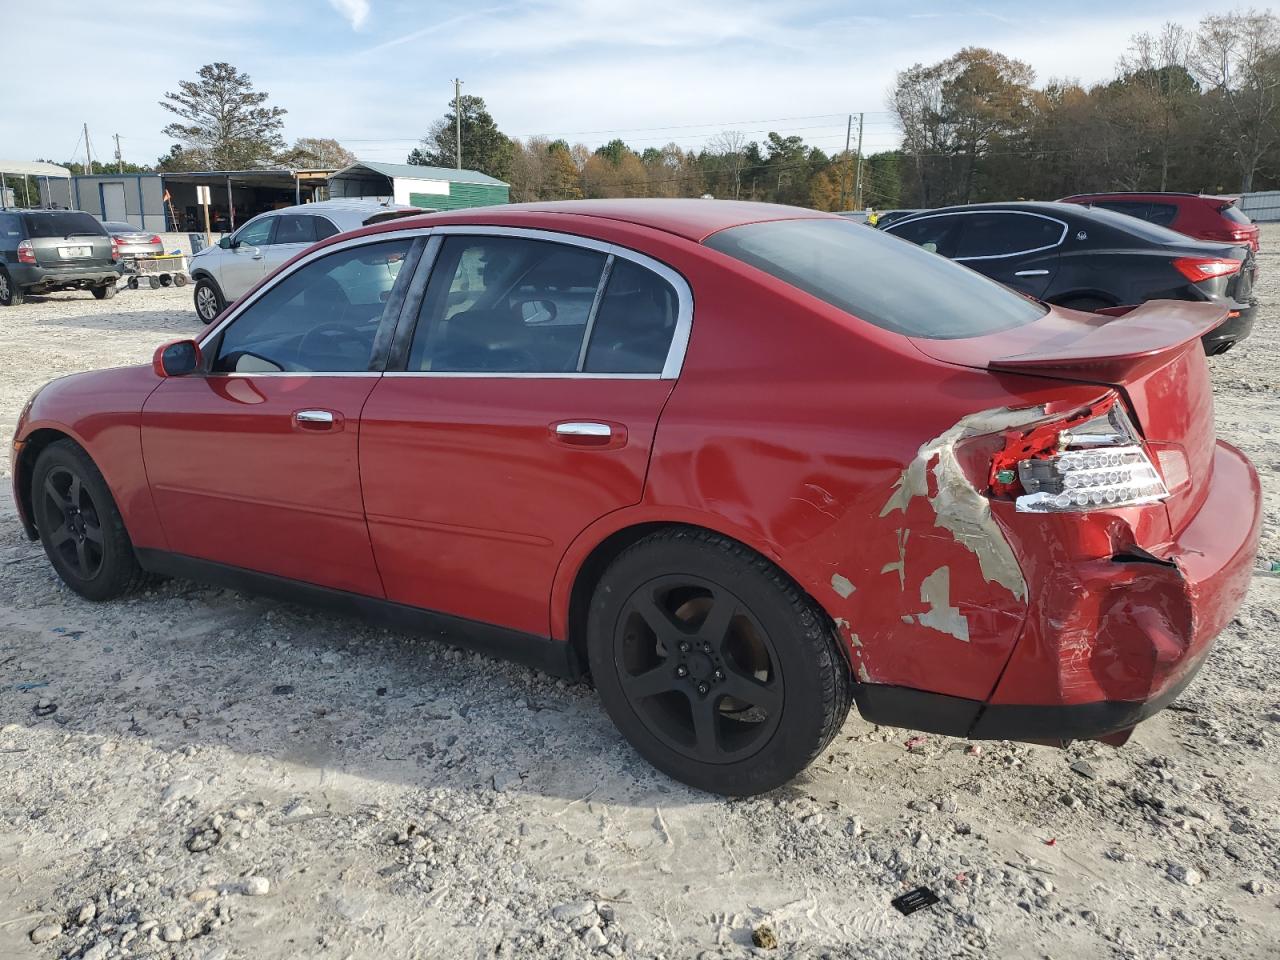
column 857, row 183
column 844, row 169
column 457, row 117
column 88, row 157
column 119, row 156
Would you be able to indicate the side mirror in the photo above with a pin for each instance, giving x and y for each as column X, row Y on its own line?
column 176, row 359
column 225, row 243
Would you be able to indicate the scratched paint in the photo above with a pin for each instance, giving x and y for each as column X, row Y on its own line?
column 935, row 590
column 841, row 585
column 960, row 508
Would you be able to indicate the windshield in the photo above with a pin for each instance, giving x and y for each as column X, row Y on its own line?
column 878, row 278
column 62, row 223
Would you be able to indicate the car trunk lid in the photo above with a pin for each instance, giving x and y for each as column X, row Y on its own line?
column 1151, row 353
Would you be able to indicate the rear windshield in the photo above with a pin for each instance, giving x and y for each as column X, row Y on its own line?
column 878, row 278
column 1151, row 232
column 61, row 223
column 1234, row 214
column 119, row 226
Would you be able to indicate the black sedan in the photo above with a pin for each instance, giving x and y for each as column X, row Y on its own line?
column 1088, row 259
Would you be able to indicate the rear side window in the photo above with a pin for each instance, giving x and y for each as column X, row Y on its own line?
column 877, row 278
column 1163, row 214
column 62, row 223
column 1234, row 214
column 1006, row 234
column 634, row 323
column 292, row 228
column 325, row 228
column 10, row 228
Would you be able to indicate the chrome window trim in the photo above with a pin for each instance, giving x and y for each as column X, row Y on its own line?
column 994, row 256
column 675, row 352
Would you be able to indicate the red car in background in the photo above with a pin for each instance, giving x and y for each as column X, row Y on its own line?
column 743, row 463
column 1202, row 216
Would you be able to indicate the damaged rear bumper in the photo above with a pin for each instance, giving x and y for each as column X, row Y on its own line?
column 1114, row 642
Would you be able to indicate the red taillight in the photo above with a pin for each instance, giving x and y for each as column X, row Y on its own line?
column 156, row 241
column 26, row 252
column 1196, row 269
column 115, row 248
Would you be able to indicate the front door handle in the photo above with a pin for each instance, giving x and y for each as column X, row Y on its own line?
column 1032, row 273
column 589, row 433
column 316, row 420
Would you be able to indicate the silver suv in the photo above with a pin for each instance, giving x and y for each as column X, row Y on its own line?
column 226, row 272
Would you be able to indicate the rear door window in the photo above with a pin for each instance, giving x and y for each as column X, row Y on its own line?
column 293, row 228
column 62, row 223
column 506, row 305
column 937, row 234
column 878, row 279
column 995, row 234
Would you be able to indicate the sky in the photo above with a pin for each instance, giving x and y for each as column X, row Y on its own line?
column 374, row 74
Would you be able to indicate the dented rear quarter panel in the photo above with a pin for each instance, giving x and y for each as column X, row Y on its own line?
column 795, row 426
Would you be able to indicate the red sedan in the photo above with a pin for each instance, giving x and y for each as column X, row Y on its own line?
column 742, row 463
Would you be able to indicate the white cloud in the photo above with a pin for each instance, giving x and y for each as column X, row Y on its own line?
column 356, row 11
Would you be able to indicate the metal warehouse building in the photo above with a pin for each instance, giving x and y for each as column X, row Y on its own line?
column 167, row 201
column 439, row 188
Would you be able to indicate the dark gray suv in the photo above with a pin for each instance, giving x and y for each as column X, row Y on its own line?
column 43, row 250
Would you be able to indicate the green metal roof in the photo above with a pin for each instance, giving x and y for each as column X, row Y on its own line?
column 424, row 173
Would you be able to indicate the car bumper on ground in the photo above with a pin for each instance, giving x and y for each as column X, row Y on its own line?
column 1129, row 634
column 1236, row 327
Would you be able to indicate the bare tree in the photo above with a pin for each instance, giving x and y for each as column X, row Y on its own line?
column 1163, row 96
column 730, row 148
column 1237, row 55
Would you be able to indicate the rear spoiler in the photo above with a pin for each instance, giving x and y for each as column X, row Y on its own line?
column 1124, row 343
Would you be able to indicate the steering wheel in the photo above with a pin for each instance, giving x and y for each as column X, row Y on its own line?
column 335, row 333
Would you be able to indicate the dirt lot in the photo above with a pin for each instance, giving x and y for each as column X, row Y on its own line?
column 227, row 777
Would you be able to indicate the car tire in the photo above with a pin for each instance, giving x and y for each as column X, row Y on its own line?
column 11, row 294
column 208, row 300
column 715, row 666
column 105, row 291
column 80, row 526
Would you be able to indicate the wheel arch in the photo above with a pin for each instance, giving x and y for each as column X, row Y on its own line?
column 1079, row 293
column 32, row 445
column 593, row 550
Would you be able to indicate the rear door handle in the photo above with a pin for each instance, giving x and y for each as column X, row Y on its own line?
column 589, row 433
column 1032, row 273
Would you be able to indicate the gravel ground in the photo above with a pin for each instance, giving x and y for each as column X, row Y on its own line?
column 228, row 777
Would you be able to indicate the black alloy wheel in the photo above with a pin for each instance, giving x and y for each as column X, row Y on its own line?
column 713, row 663
column 75, row 528
column 698, row 669
column 80, row 526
